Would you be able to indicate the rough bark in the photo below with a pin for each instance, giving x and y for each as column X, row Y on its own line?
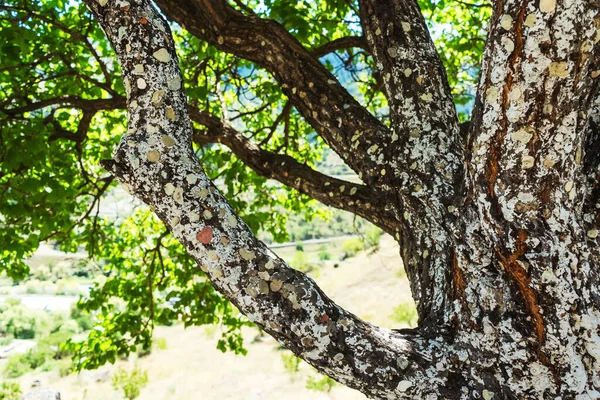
column 324, row 103
column 528, row 266
column 353, row 197
column 425, row 153
column 418, row 202
column 500, row 240
column 155, row 162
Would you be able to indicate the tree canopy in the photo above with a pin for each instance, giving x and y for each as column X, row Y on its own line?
column 62, row 106
column 468, row 132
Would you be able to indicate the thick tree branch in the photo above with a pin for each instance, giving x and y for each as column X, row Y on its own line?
column 527, row 127
column 355, row 198
column 348, row 128
column 424, row 157
column 155, row 161
column 424, row 119
column 538, row 80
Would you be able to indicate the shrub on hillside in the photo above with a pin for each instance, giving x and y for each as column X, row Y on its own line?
column 65, row 367
column 406, row 313
column 22, row 322
column 300, row 262
column 15, row 367
column 10, row 391
column 83, row 319
column 19, row 364
column 291, row 363
column 373, row 236
column 68, row 287
column 352, row 246
column 5, row 339
column 52, row 345
column 130, row 383
column 35, row 286
column 322, row 384
column 324, row 254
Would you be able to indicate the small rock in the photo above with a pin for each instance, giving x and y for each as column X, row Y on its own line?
column 42, row 394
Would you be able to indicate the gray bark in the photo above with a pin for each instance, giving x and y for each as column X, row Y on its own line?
column 499, row 234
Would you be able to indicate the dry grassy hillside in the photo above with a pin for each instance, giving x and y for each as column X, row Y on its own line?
column 370, row 285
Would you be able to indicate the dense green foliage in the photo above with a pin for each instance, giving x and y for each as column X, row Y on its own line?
column 55, row 62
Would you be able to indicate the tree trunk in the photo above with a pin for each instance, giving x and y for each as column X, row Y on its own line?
column 498, row 232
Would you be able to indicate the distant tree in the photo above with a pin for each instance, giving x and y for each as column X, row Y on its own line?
column 496, row 217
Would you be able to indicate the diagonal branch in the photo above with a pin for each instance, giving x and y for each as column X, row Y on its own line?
column 355, row 198
column 155, row 162
column 364, row 143
column 347, row 127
